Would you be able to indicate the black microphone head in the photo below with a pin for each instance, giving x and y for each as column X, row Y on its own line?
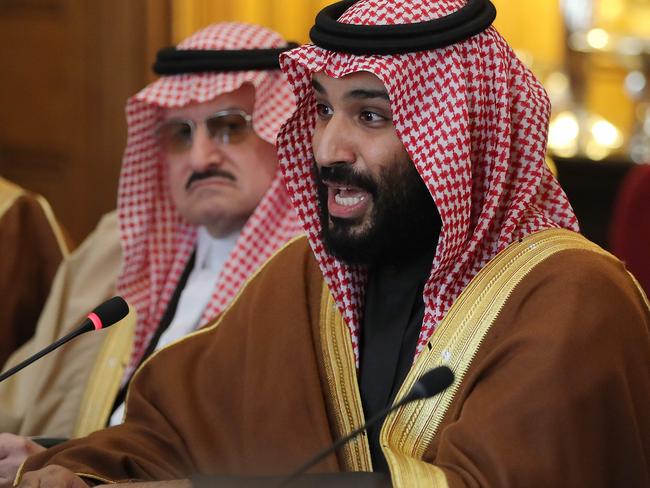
column 111, row 311
column 431, row 383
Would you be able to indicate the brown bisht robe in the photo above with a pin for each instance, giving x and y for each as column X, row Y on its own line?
column 550, row 346
column 32, row 245
column 70, row 391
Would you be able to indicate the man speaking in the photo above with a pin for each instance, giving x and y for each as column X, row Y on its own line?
column 435, row 235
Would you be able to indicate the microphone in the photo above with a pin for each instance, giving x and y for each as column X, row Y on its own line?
column 111, row 311
column 430, row 384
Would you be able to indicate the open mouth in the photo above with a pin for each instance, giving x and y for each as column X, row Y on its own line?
column 347, row 201
column 348, row 197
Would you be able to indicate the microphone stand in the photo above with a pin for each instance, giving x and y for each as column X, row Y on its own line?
column 43, row 352
column 431, row 383
column 104, row 315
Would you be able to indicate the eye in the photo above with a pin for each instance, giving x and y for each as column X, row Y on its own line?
column 175, row 136
column 182, row 132
column 227, row 128
column 370, row 117
column 323, row 111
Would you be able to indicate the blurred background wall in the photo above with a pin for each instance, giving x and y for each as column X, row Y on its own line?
column 69, row 65
column 66, row 69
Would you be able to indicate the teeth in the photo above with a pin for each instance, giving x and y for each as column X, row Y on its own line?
column 347, row 201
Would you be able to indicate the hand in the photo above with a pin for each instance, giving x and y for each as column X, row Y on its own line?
column 14, row 450
column 52, row 476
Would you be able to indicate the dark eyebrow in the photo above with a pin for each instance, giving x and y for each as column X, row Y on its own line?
column 361, row 94
column 357, row 94
column 318, row 87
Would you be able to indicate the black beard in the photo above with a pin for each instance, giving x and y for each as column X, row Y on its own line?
column 404, row 221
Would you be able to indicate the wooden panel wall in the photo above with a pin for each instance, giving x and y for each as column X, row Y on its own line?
column 67, row 68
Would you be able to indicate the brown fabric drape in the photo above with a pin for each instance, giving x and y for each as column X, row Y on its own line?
column 46, row 397
column 31, row 254
column 557, row 394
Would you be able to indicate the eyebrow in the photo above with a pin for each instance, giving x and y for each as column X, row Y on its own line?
column 358, row 94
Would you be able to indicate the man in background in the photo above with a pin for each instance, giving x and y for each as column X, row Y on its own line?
column 200, row 207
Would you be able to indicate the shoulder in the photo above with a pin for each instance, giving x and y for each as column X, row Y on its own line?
column 9, row 192
column 589, row 278
column 578, row 302
column 89, row 275
column 17, row 200
column 290, row 280
column 101, row 246
column 19, row 208
column 561, row 373
column 106, row 232
column 293, row 261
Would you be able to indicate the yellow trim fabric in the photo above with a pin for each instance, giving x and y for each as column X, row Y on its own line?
column 341, row 378
column 96, row 478
column 408, row 432
column 10, row 192
column 408, row 471
column 54, row 225
column 8, row 195
column 646, row 301
column 104, row 381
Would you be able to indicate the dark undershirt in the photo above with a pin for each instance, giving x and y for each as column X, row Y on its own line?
column 389, row 334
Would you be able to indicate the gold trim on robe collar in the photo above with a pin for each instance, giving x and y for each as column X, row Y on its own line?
column 105, row 378
column 54, row 224
column 9, row 193
column 342, row 384
column 408, row 431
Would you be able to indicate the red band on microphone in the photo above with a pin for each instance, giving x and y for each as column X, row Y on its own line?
column 97, row 322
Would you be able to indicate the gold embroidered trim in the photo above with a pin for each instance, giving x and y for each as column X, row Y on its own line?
column 409, row 431
column 644, row 296
column 54, row 225
column 19, row 476
column 96, row 478
column 218, row 320
column 340, row 371
column 104, row 381
column 8, row 195
column 10, row 192
column 414, row 472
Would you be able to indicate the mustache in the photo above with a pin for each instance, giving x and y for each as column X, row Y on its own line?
column 208, row 173
column 343, row 174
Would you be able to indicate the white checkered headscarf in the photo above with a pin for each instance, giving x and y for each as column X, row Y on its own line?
column 157, row 243
column 473, row 120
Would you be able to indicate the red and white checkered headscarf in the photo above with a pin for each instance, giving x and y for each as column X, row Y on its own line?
column 157, row 243
column 473, row 120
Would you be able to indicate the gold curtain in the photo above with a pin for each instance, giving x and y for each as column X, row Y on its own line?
column 533, row 28
column 518, row 21
column 291, row 18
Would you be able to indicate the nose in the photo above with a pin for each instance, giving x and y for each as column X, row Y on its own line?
column 204, row 152
column 333, row 142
